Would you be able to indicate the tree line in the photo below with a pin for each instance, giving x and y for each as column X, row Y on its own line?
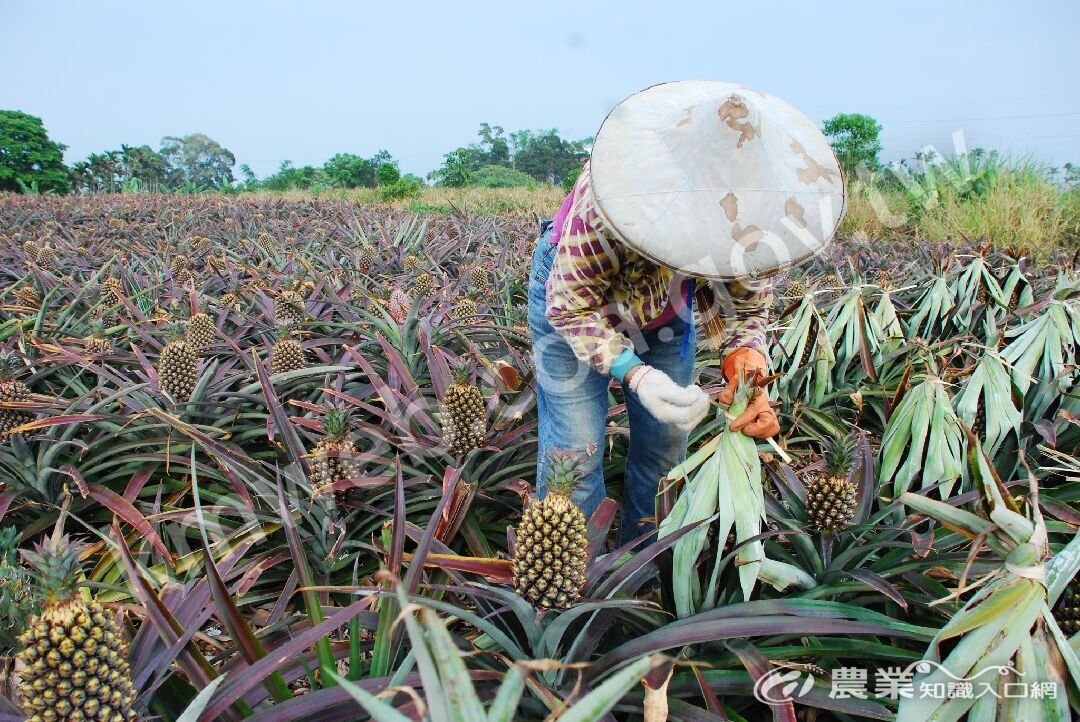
column 30, row 161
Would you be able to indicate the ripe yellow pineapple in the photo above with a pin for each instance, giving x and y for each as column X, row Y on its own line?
column 201, row 332
column 411, row 261
column 330, row 461
column 287, row 354
column 12, row 390
column 177, row 368
column 464, row 416
column 552, row 552
column 831, row 497
column 74, row 657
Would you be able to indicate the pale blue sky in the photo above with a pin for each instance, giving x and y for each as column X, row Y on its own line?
column 304, row 80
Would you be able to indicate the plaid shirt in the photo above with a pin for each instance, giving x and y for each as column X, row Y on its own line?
column 600, row 292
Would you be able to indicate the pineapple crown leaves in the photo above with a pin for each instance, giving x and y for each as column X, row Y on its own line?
column 336, row 422
column 56, row 566
column 9, row 365
column 839, row 453
column 176, row 331
column 563, row 471
column 462, row 371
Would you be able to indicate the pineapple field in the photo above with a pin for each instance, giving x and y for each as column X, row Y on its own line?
column 268, row 458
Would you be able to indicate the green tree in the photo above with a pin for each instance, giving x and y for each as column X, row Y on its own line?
column 499, row 176
column 388, row 174
column 494, row 149
column 143, row 166
column 456, row 170
column 197, row 160
column 855, row 138
column 290, row 177
column 548, row 157
column 346, row 170
column 28, row 156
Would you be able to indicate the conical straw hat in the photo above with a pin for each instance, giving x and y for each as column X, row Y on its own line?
column 716, row 180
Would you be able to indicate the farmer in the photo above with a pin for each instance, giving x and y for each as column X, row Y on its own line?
column 694, row 190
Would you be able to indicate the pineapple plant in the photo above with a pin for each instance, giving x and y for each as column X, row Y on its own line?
column 177, row 368
column 464, row 417
column 831, row 497
column 200, row 332
column 74, row 655
column 795, row 290
column 287, row 354
column 552, row 554
column 330, row 462
column 289, row 308
column 12, row 390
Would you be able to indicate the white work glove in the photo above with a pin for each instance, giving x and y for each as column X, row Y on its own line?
column 670, row 403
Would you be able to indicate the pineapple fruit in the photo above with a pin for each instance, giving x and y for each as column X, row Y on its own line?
column 96, row 344
column 74, row 656
column 479, row 282
column 465, row 311
column 1067, row 610
column 177, row 369
column 287, row 354
column 424, row 285
column 830, row 497
column 327, row 466
column 366, row 257
column 289, row 308
column 200, row 332
column 552, row 553
column 12, row 390
column 464, row 417
column 795, row 290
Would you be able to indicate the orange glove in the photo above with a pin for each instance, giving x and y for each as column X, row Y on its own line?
column 759, row 420
column 743, row 363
